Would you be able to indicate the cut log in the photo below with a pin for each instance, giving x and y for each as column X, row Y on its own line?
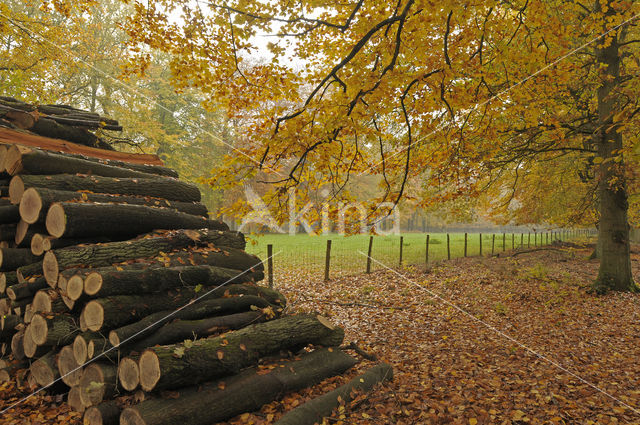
column 36, row 244
column 129, row 282
column 313, row 411
column 129, row 373
column 201, row 309
column 55, row 330
column 36, row 201
column 26, row 139
column 165, row 188
column 116, row 252
column 247, row 392
column 24, row 160
column 97, row 347
column 74, row 401
column 98, row 381
column 47, row 301
column 8, row 368
column 28, row 313
column 112, row 312
column 69, row 220
column 227, row 257
column 81, row 345
column 49, row 242
column 210, row 358
column 70, row 371
column 8, row 231
column 28, row 289
column 8, row 324
column 12, row 258
column 181, row 330
column 44, row 370
column 107, row 413
column 9, row 214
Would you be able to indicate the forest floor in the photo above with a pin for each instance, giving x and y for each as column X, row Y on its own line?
column 502, row 340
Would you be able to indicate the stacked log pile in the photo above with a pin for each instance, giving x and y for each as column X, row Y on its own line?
column 113, row 280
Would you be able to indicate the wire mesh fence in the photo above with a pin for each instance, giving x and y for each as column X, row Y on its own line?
column 329, row 256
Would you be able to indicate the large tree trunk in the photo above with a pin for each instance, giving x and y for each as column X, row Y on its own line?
column 166, row 188
column 98, row 381
column 36, row 201
column 26, row 289
column 206, row 359
column 247, row 392
column 9, row 214
column 70, row 219
column 23, row 160
column 315, row 410
column 252, row 296
column 116, row 252
column 53, row 330
column 107, row 413
column 129, row 282
column 12, row 258
column 613, row 235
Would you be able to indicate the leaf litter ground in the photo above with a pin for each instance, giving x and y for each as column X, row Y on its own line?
column 507, row 340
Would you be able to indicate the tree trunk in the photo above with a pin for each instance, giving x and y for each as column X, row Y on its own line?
column 12, row 258
column 69, row 219
column 24, row 273
column 7, row 279
column 166, row 188
column 112, row 312
column 117, row 252
column 315, row 410
column 74, row 401
column 69, row 370
column 23, row 160
column 81, row 345
column 36, row 201
column 107, row 413
column 48, row 301
column 8, row 230
column 49, row 242
column 244, row 393
column 615, row 261
column 45, row 370
column 24, row 233
column 201, row 309
column 26, row 289
column 130, row 282
column 175, row 366
column 181, row 330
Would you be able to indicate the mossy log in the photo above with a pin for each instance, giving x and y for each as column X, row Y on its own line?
column 165, row 188
column 36, row 201
column 244, row 393
column 175, row 366
column 115, row 252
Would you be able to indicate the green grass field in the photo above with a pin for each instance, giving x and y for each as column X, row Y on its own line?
column 348, row 253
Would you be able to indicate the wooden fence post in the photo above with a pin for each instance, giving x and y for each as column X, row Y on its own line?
column 465, row 244
column 521, row 240
column 513, row 241
column 481, row 244
column 448, row 248
column 401, row 243
column 426, row 260
column 493, row 243
column 270, row 264
column 327, row 260
column 369, row 254
column 528, row 239
column 504, row 241
column 535, row 238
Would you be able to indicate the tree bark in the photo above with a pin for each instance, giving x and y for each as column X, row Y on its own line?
column 181, row 330
column 247, row 392
column 9, row 214
column 26, row 289
column 8, row 230
column 206, row 359
column 613, row 235
column 36, row 201
column 69, row 220
column 23, row 160
column 130, row 282
column 117, row 252
column 199, row 310
column 45, row 370
column 166, row 188
column 7, row 279
column 12, row 258
column 315, row 410
column 24, row 273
